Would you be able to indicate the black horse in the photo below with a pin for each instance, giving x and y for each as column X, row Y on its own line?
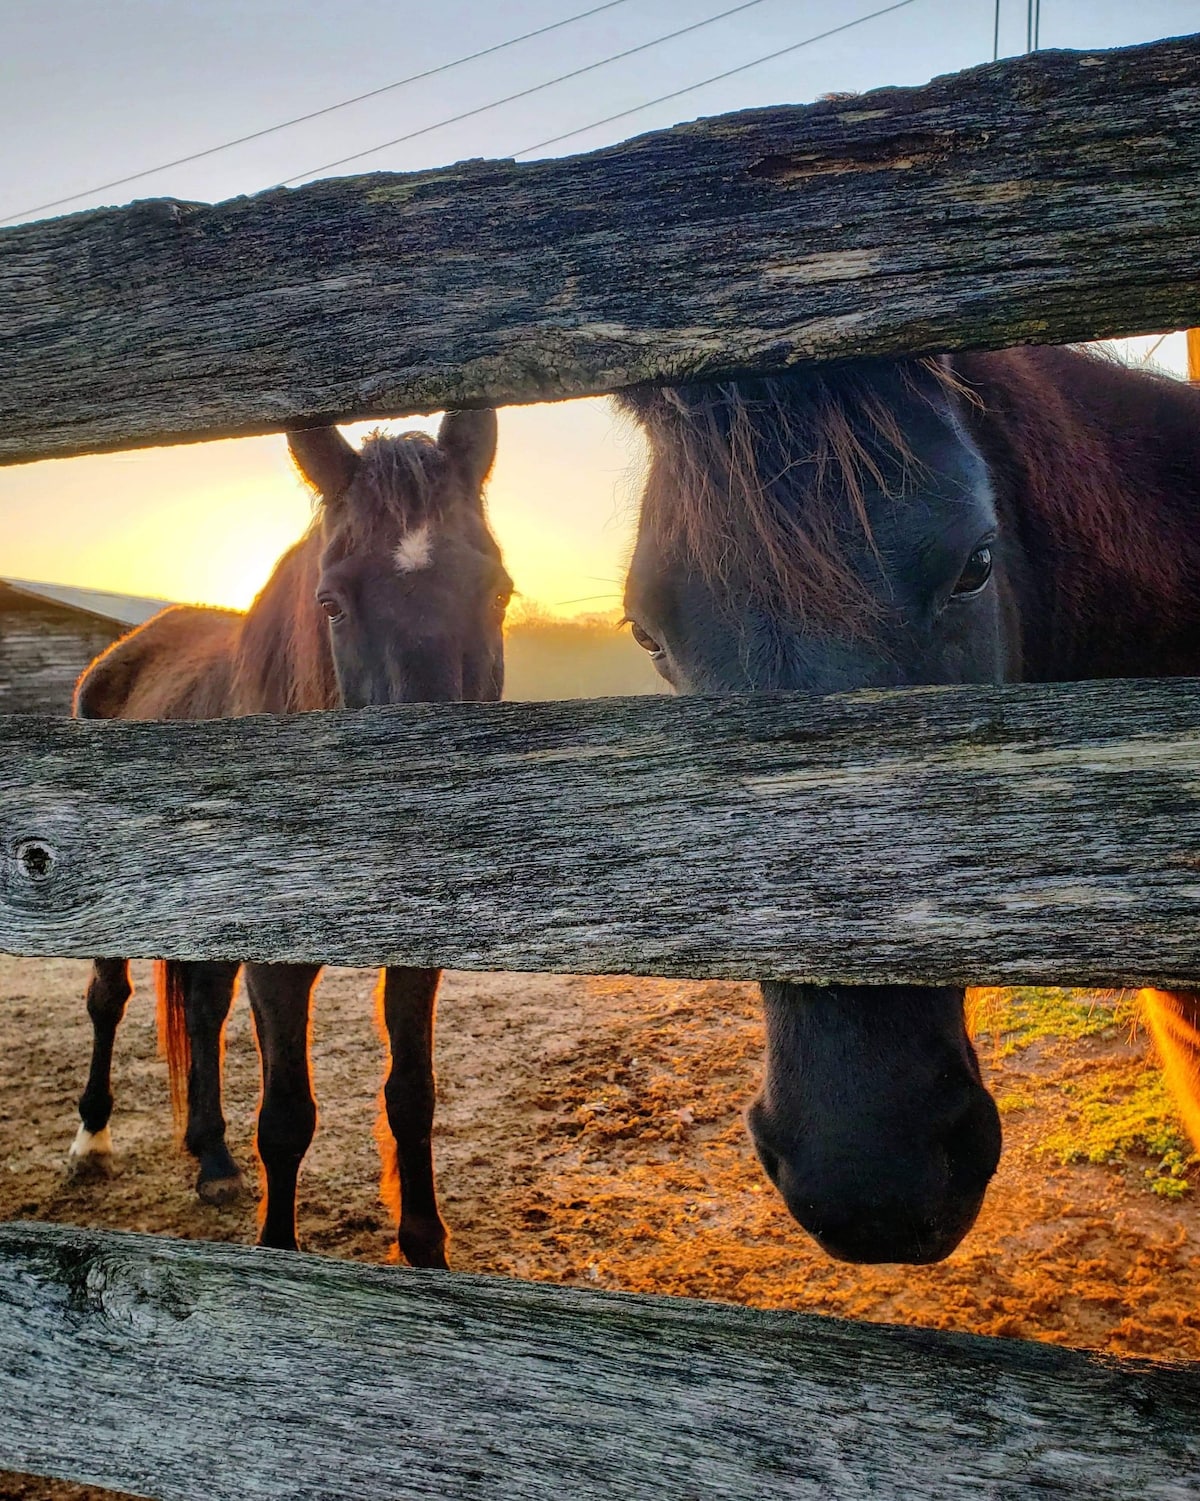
column 1025, row 516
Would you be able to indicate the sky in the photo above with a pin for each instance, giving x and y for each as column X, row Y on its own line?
column 90, row 92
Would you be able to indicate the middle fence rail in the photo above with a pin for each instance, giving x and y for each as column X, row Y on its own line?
column 1024, row 834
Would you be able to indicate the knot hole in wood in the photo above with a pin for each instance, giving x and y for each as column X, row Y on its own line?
column 36, row 859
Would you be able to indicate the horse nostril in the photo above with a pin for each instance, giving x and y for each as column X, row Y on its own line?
column 894, row 1202
column 972, row 1144
column 770, row 1162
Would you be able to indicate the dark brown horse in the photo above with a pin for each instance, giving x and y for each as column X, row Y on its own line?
column 396, row 595
column 1031, row 515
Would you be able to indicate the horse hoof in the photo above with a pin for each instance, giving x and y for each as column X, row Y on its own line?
column 424, row 1253
column 220, row 1192
column 91, row 1154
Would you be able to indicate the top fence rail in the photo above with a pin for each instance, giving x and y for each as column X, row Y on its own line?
column 1046, row 199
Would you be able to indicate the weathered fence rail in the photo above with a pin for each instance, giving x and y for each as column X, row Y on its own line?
column 1020, row 834
column 1046, row 198
column 213, row 1373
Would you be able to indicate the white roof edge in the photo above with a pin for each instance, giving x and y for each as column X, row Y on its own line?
column 124, row 609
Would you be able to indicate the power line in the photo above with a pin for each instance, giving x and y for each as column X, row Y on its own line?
column 536, row 88
column 329, row 109
column 716, row 78
column 1033, row 25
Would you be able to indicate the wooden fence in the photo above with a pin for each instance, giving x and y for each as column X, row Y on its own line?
column 1047, row 198
column 940, row 836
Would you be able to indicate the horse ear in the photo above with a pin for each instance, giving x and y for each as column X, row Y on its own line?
column 324, row 458
column 470, row 440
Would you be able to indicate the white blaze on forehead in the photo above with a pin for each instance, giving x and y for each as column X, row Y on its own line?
column 415, row 551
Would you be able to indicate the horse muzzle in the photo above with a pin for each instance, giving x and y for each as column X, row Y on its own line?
column 888, row 1203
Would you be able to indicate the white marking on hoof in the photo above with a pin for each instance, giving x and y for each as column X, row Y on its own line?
column 91, row 1152
column 415, row 551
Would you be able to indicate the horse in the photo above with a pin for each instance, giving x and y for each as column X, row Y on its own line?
column 1027, row 515
column 396, row 594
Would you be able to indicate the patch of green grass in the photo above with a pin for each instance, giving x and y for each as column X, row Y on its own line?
column 1169, row 1180
column 1108, row 1115
column 1114, row 1114
column 1012, row 1019
column 1014, row 1100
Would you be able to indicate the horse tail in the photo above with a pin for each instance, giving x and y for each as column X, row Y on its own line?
column 173, row 1040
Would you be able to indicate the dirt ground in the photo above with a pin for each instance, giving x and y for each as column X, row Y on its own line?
column 589, row 1132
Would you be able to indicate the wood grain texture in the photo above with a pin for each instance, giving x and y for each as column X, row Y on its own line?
column 42, row 652
column 1047, row 198
column 195, row 1372
column 1027, row 834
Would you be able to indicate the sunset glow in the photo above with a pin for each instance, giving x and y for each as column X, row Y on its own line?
column 206, row 523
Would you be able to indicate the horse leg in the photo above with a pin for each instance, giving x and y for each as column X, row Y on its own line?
column 207, row 996
column 280, row 997
column 1174, row 1020
column 408, row 999
column 107, row 993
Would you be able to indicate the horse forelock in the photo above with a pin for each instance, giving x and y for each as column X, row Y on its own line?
column 403, row 481
column 761, row 484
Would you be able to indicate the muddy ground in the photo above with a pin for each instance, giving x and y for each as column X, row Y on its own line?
column 590, row 1132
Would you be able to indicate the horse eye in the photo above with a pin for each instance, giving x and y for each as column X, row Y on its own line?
column 976, row 574
column 644, row 639
column 331, row 606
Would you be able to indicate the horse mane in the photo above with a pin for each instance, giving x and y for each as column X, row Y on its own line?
column 400, row 482
column 728, row 459
column 1097, row 467
column 283, row 663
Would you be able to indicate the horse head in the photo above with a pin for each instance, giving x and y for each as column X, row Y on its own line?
column 411, row 583
column 819, row 532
